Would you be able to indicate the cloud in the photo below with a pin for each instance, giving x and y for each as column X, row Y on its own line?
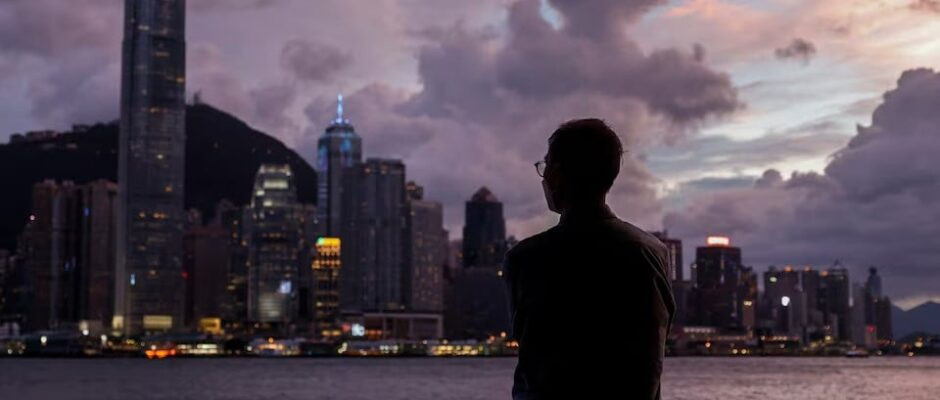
column 489, row 98
column 62, row 54
column 870, row 207
column 310, row 61
column 46, row 28
column 719, row 154
column 228, row 5
column 926, row 5
column 799, row 49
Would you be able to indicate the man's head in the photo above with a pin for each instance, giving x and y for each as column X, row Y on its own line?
column 582, row 162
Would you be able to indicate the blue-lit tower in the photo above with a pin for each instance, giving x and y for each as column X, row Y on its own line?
column 338, row 149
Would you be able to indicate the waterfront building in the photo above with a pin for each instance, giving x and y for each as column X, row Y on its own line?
column 722, row 284
column 674, row 256
column 68, row 255
column 327, row 269
column 484, row 232
column 149, row 286
column 426, row 253
column 275, row 247
column 376, row 190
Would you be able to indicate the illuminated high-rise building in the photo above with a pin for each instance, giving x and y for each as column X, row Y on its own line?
column 722, row 284
column 426, row 253
column 275, row 246
column 785, row 300
column 337, row 150
column 327, row 268
column 339, row 155
column 149, row 282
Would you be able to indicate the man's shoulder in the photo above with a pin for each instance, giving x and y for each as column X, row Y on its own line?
column 533, row 244
column 633, row 235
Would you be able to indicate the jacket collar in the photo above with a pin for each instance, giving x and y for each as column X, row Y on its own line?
column 585, row 214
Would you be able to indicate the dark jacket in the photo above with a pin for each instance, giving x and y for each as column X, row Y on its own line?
column 591, row 307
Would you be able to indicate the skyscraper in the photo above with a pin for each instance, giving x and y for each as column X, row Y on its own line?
column 338, row 149
column 833, row 300
column 207, row 261
column 674, row 249
column 426, row 248
column 810, row 281
column 877, row 307
column 67, row 248
column 785, row 299
column 477, row 304
column 339, row 155
column 231, row 218
column 274, row 236
column 873, row 284
column 377, row 259
column 327, row 267
column 149, row 283
column 721, row 284
column 484, row 233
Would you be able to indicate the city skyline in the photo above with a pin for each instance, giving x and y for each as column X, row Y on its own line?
column 408, row 113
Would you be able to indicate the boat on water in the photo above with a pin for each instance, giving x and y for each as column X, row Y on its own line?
column 857, row 353
column 272, row 347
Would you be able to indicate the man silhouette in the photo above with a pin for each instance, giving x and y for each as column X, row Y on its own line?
column 590, row 302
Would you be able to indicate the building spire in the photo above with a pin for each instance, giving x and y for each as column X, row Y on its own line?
column 339, row 108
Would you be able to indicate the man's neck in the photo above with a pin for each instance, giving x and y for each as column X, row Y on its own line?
column 586, row 211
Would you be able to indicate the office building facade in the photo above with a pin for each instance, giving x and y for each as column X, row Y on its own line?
column 149, row 283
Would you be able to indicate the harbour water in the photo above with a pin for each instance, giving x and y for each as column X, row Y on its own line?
column 764, row 378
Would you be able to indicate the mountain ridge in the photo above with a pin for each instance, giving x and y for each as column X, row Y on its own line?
column 223, row 154
column 922, row 318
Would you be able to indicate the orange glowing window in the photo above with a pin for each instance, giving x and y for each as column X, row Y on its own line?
column 718, row 241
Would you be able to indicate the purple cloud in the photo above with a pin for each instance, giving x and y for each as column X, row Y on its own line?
column 488, row 102
column 870, row 207
column 799, row 49
column 311, row 61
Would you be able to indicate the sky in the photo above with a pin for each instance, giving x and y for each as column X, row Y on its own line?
column 806, row 130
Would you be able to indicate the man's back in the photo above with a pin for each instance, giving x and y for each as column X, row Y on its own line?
column 591, row 307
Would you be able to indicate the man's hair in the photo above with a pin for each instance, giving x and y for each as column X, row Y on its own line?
column 587, row 154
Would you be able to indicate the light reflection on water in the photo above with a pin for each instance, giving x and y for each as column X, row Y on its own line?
column 476, row 378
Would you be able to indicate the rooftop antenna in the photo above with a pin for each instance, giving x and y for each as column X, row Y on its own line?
column 339, row 108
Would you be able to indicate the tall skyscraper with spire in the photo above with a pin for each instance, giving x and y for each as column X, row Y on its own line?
column 338, row 149
column 339, row 156
column 149, row 280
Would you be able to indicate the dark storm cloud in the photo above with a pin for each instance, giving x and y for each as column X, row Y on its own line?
column 876, row 204
column 799, row 49
column 311, row 61
column 64, row 57
column 489, row 98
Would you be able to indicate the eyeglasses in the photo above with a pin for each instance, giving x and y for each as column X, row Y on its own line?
column 540, row 168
